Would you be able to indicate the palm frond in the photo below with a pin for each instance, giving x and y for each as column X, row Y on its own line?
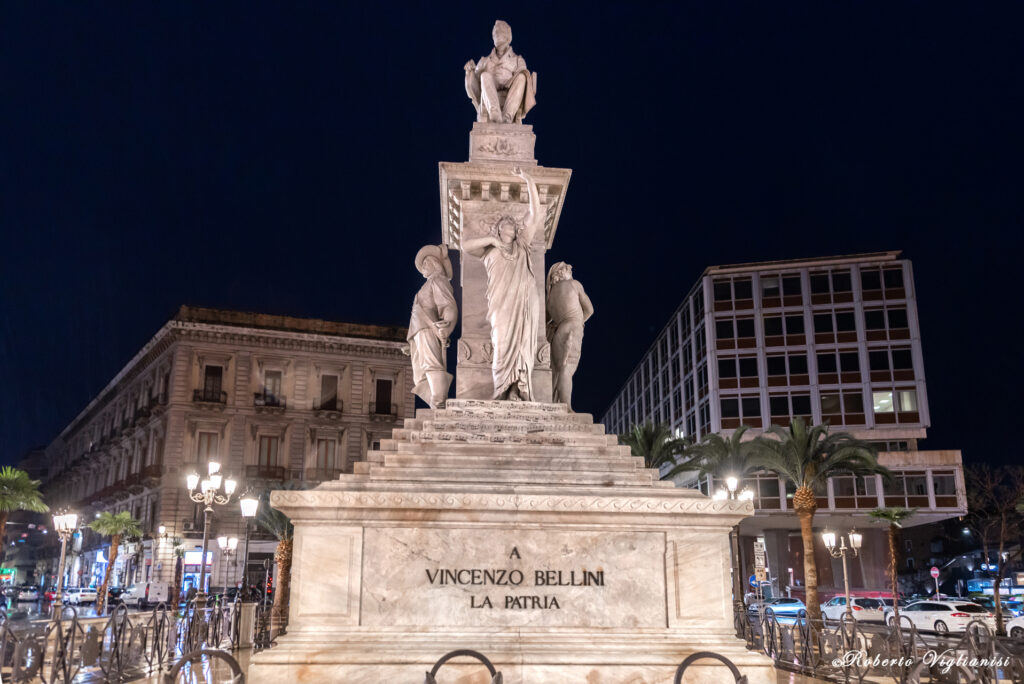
column 892, row 516
column 116, row 525
column 19, row 492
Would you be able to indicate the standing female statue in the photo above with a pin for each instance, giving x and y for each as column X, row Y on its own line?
column 513, row 302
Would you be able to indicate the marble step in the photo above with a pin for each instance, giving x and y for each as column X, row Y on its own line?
column 501, row 414
column 519, row 449
column 513, row 461
column 509, row 426
column 380, row 473
column 457, row 436
column 494, row 404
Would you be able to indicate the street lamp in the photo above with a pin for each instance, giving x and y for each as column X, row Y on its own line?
column 65, row 524
column 209, row 494
column 250, row 506
column 227, row 545
column 856, row 540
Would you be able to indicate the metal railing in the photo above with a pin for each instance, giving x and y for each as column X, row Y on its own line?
column 329, row 405
column 205, row 396
column 383, row 410
column 496, row 677
column 858, row 651
column 264, row 472
column 269, row 400
column 123, row 645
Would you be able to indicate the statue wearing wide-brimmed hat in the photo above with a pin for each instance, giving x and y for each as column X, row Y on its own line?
column 434, row 312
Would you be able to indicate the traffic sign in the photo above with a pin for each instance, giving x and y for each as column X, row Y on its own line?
column 935, row 572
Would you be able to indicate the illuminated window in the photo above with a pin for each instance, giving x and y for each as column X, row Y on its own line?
column 882, row 402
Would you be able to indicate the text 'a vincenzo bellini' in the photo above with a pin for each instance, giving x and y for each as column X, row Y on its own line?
column 501, row 577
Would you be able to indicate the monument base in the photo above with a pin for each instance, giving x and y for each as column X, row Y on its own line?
column 518, row 530
column 633, row 657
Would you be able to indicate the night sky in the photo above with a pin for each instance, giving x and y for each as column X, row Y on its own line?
column 282, row 158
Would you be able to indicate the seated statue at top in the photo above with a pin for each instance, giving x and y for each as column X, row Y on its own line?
column 501, row 88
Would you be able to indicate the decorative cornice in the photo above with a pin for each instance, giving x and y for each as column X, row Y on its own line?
column 290, row 501
column 286, row 341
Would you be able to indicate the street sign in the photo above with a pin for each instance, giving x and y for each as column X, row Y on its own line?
column 753, row 581
column 935, row 572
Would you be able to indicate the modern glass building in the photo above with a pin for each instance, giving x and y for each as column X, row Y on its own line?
column 831, row 339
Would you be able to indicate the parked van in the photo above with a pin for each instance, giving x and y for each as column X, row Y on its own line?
column 147, row 594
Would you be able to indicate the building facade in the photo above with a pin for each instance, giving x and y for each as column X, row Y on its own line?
column 831, row 339
column 273, row 399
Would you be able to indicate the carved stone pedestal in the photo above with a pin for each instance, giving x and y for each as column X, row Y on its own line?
column 475, row 195
column 518, row 530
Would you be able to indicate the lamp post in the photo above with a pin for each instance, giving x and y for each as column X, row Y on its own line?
column 842, row 551
column 228, row 546
column 250, row 506
column 65, row 524
column 732, row 483
column 208, row 494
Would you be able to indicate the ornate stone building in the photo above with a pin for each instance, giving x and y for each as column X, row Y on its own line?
column 272, row 398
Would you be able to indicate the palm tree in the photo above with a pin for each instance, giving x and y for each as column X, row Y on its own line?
column 655, row 443
column 179, row 559
column 116, row 526
column 18, row 492
column 721, row 457
column 278, row 524
column 808, row 457
column 895, row 517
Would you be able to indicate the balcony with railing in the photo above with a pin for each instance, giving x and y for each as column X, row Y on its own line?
column 328, row 408
column 151, row 474
column 380, row 411
column 265, row 472
column 208, row 396
column 265, row 401
column 321, row 474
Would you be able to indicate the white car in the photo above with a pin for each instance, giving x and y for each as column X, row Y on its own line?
column 945, row 616
column 78, row 595
column 28, row 594
column 869, row 609
column 145, row 595
column 1015, row 627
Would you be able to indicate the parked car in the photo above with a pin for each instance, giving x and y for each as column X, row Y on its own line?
column 887, row 606
column 869, row 609
column 1011, row 608
column 79, row 595
column 781, row 606
column 147, row 594
column 28, row 593
column 945, row 616
column 1015, row 627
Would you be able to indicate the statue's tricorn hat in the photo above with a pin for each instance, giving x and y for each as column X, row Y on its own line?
column 439, row 252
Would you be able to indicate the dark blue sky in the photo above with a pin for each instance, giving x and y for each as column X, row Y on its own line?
column 282, row 157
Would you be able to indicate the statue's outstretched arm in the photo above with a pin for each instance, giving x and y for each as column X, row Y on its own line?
column 477, row 246
column 535, row 214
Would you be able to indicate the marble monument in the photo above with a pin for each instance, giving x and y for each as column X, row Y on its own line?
column 498, row 520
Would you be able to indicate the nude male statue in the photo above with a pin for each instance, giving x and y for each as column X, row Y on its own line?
column 501, row 88
column 569, row 308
